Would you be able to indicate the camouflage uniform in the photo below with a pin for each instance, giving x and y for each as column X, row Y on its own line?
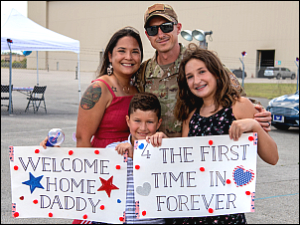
column 164, row 85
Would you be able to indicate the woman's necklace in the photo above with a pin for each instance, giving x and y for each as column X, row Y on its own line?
column 124, row 88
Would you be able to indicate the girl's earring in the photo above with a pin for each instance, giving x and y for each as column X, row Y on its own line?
column 109, row 69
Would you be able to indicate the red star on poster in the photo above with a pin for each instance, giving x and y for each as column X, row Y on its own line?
column 107, row 185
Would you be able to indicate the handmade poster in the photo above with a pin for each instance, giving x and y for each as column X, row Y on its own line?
column 78, row 183
column 195, row 176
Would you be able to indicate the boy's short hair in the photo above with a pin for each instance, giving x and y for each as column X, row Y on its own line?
column 145, row 102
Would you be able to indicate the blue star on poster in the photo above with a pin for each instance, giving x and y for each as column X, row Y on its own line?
column 33, row 182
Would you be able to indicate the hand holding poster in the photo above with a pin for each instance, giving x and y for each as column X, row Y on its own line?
column 77, row 183
column 195, row 176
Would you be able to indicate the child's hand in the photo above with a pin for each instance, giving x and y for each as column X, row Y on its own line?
column 123, row 147
column 242, row 126
column 263, row 117
column 44, row 142
column 156, row 139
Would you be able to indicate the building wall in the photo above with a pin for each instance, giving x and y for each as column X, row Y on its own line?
column 237, row 26
column 37, row 12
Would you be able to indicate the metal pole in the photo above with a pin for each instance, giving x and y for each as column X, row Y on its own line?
column 243, row 73
column 37, row 67
column 76, row 72
column 79, row 90
column 202, row 44
column 9, row 88
column 207, row 33
column 297, row 75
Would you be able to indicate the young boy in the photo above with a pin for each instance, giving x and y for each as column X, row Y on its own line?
column 143, row 120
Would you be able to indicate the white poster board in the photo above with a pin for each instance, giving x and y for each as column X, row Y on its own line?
column 78, row 183
column 195, row 176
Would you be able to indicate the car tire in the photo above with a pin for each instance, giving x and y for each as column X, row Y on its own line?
column 293, row 76
column 281, row 126
column 278, row 76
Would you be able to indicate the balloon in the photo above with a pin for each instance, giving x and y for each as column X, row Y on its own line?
column 74, row 137
column 55, row 137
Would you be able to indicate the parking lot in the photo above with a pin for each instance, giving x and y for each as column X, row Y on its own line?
column 266, row 80
column 277, row 187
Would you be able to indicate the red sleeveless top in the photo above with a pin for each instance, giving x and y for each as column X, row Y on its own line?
column 113, row 126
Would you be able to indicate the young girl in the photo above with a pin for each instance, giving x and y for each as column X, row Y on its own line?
column 208, row 104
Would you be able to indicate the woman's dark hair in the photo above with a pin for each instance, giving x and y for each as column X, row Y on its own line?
column 225, row 95
column 145, row 102
column 126, row 31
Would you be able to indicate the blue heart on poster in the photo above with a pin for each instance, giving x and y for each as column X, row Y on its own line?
column 242, row 177
column 141, row 146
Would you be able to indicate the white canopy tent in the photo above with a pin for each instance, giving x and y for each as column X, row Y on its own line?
column 27, row 35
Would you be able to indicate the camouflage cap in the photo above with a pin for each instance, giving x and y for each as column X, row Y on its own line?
column 162, row 10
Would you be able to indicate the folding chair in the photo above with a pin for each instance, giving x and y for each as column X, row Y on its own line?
column 36, row 97
column 5, row 96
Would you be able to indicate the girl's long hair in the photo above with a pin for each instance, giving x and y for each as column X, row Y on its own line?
column 225, row 94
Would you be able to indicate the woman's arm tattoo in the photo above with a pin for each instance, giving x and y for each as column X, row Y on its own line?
column 91, row 96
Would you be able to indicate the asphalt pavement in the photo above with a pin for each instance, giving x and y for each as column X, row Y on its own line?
column 277, row 187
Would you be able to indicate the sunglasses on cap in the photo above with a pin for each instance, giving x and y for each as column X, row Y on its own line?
column 165, row 27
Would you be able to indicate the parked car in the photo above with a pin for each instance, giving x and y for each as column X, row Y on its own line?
column 279, row 72
column 285, row 111
column 238, row 73
column 260, row 73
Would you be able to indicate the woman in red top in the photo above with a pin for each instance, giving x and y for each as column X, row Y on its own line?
column 105, row 103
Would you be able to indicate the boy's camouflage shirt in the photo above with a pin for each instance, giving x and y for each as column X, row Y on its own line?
column 164, row 85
